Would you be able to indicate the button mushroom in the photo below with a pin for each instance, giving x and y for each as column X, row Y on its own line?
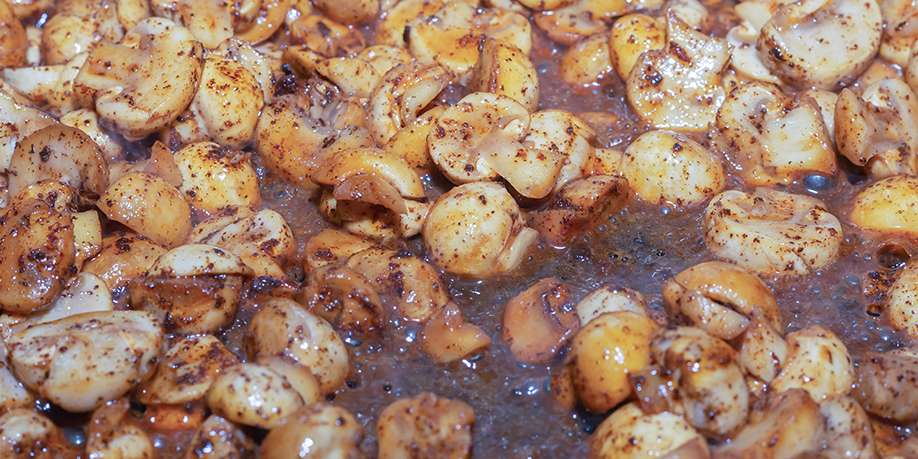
column 506, row 70
column 122, row 258
column 902, row 303
column 801, row 42
column 772, row 232
column 889, row 206
column 284, row 328
column 879, row 129
column 605, row 352
column 403, row 93
column 773, row 138
column 27, row 434
column 81, row 361
column 112, row 434
column 887, row 384
column 579, row 205
column 186, row 371
column 817, row 362
column 144, row 83
column 253, row 395
column 319, row 430
column 477, row 230
column 679, row 87
column 632, row 35
column 217, row 438
column 148, row 205
column 425, row 426
column 13, row 42
column 447, row 336
column 262, row 240
column 667, row 167
column 788, row 426
column 629, row 433
column 214, row 177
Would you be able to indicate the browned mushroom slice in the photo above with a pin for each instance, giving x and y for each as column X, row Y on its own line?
column 579, row 205
column 539, row 320
column 447, row 336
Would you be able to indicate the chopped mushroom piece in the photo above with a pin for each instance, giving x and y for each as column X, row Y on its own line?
column 417, row 285
column 27, row 434
column 772, row 232
column 679, row 87
column 112, row 434
column 902, row 302
column 345, row 298
column 218, row 438
column 539, row 321
column 122, row 258
column 81, row 361
column 707, row 378
column 215, row 177
column 771, row 137
column 579, row 205
column 606, row 299
column 186, row 371
column 802, row 41
column 848, row 431
column 887, row 384
column 144, row 83
column 193, row 288
column 632, row 35
column 402, row 95
column 506, row 70
column 817, row 362
column 425, row 426
column 879, row 129
column 587, row 61
column 282, row 327
column 253, row 395
column 447, row 336
column 790, row 425
column 148, row 205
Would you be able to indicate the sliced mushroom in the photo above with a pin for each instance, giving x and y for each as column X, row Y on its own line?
column 59, row 153
column 37, row 254
column 81, row 361
column 331, row 246
column 84, row 293
column 253, row 395
column 667, row 167
column 410, row 142
column 447, row 336
column 415, row 283
column 629, row 433
column 194, row 288
column 848, row 432
column 879, row 129
column 123, row 258
column 587, row 61
column 506, row 70
column 450, row 36
column 477, row 230
column 632, row 35
column 13, row 394
column 772, row 232
column 787, row 427
column 771, row 137
column 401, row 96
column 294, row 131
column 800, row 42
column 606, row 299
column 579, row 205
column 817, row 362
column 284, row 328
column 538, row 321
column 708, row 379
column 426, row 426
column 142, row 84
column 267, row 22
column 214, row 177
column 322, row 37
column 902, row 302
column 582, row 18
column 262, row 240
column 218, row 438
column 345, row 298
column 744, row 57
column 887, row 384
column 679, row 87
column 148, row 205
column 17, row 121
column 889, row 206
column 48, row 87
column 359, row 75
column 225, row 107
column 479, row 124
column 319, row 430
column 605, row 352
column 112, row 434
column 722, row 299
column 87, row 121
column 13, row 41
column 76, row 27
column 186, row 371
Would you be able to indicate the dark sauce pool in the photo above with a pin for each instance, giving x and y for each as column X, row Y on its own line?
column 639, row 247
